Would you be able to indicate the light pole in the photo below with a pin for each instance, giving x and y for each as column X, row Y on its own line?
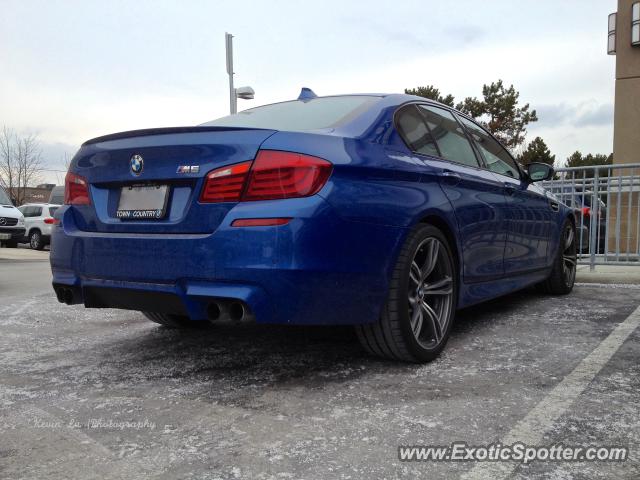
column 246, row 93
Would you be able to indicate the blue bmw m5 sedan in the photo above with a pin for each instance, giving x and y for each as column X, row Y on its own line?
column 386, row 212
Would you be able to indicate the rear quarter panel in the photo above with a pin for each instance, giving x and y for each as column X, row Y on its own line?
column 373, row 183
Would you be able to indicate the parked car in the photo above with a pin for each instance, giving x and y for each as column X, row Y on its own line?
column 581, row 200
column 387, row 212
column 38, row 219
column 56, row 197
column 11, row 222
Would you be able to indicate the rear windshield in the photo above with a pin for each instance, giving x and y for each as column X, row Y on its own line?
column 297, row 115
column 52, row 210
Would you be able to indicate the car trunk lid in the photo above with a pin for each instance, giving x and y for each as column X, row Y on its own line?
column 175, row 160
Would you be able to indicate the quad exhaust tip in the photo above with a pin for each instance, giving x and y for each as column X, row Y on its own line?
column 68, row 296
column 213, row 312
column 227, row 310
column 65, row 295
column 236, row 311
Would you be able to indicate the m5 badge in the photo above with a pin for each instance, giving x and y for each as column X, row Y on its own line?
column 188, row 169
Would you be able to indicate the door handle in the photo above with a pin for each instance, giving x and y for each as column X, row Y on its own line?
column 509, row 188
column 554, row 205
column 451, row 178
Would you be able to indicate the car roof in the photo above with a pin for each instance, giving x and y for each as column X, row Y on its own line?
column 397, row 98
column 353, row 127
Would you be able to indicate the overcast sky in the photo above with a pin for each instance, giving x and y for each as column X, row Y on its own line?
column 72, row 70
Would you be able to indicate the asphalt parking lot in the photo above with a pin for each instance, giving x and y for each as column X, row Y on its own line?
column 108, row 394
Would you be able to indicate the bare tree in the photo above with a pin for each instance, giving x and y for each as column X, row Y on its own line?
column 20, row 163
column 7, row 160
column 66, row 161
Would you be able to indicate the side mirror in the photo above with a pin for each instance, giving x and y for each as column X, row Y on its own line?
column 540, row 171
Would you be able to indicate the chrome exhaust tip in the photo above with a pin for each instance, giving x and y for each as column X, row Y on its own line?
column 213, row 311
column 236, row 311
column 68, row 296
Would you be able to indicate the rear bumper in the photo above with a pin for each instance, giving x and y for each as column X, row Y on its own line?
column 318, row 269
column 582, row 232
column 45, row 230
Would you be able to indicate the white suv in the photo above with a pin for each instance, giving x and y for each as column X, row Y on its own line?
column 38, row 219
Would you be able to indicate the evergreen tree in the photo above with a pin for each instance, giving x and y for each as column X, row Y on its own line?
column 498, row 111
column 430, row 92
column 536, row 151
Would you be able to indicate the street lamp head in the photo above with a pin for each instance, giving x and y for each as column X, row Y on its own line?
column 246, row 93
column 611, row 37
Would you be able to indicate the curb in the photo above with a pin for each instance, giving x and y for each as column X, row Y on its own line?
column 621, row 278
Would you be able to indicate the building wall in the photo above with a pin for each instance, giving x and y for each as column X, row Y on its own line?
column 626, row 132
column 36, row 195
column 624, row 231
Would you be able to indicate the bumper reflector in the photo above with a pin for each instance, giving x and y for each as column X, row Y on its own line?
column 259, row 222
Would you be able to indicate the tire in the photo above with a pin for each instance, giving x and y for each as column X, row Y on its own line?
column 35, row 240
column 563, row 274
column 174, row 321
column 392, row 336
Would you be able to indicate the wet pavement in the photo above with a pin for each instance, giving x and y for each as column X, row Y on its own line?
column 108, row 394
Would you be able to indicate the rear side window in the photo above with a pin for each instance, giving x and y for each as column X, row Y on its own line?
column 497, row 158
column 414, row 130
column 298, row 115
column 31, row 211
column 448, row 134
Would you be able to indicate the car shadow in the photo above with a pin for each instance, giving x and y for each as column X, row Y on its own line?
column 487, row 312
column 243, row 355
column 275, row 355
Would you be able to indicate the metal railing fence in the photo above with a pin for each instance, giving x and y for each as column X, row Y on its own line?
column 606, row 199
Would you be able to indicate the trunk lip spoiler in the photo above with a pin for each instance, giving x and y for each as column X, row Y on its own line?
column 145, row 132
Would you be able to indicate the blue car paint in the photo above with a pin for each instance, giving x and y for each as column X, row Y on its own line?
column 332, row 263
column 162, row 154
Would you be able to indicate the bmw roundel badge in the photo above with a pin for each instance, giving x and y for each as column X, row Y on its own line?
column 137, row 165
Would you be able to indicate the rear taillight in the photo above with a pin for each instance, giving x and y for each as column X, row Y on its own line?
column 272, row 175
column 76, row 190
column 276, row 174
column 586, row 212
column 51, row 221
column 225, row 184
